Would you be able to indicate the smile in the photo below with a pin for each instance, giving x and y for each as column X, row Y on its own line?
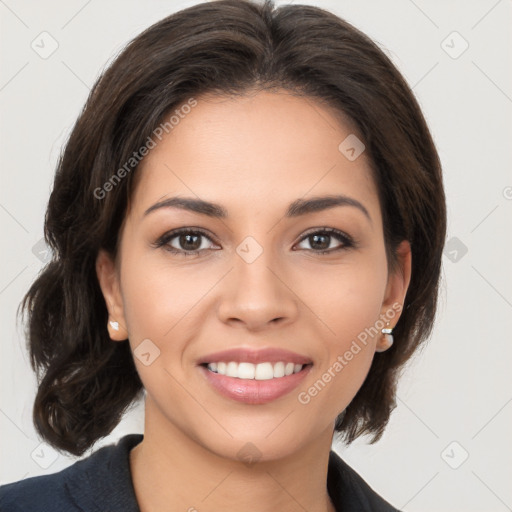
column 250, row 371
column 259, row 389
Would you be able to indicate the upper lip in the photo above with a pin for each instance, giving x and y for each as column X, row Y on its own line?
column 248, row 355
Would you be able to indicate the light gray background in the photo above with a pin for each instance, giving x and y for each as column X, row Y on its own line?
column 459, row 388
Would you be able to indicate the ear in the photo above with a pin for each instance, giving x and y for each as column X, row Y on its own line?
column 108, row 279
column 398, row 283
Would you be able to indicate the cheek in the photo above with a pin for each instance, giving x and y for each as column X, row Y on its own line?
column 347, row 297
column 157, row 296
column 350, row 308
column 158, row 308
column 348, row 300
column 162, row 304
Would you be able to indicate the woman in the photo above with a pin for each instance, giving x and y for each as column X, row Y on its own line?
column 247, row 225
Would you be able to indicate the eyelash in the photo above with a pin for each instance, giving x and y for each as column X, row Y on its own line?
column 163, row 241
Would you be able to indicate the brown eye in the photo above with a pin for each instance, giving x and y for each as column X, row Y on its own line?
column 185, row 242
column 321, row 241
column 189, row 242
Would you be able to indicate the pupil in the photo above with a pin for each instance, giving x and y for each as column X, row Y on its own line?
column 185, row 240
column 320, row 245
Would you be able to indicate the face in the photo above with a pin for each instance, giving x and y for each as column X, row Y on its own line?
column 264, row 274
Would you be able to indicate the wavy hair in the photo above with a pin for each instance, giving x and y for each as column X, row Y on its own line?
column 86, row 382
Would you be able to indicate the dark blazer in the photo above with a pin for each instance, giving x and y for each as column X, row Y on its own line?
column 102, row 482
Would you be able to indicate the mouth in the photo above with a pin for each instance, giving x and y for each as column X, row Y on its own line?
column 254, row 377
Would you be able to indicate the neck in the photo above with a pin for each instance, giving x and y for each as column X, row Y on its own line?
column 170, row 469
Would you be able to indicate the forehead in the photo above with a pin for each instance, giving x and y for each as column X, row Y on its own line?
column 254, row 150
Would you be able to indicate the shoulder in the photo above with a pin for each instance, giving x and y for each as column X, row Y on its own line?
column 349, row 492
column 103, row 476
column 42, row 493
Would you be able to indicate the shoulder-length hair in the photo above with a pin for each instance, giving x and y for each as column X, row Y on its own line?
column 86, row 382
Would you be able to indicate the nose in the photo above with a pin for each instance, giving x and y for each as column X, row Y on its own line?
column 257, row 295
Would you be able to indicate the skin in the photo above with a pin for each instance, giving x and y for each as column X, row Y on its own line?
column 253, row 155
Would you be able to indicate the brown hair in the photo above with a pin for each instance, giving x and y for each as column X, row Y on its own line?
column 86, row 381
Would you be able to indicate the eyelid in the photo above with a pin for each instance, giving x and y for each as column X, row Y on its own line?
column 346, row 240
column 325, row 229
column 188, row 229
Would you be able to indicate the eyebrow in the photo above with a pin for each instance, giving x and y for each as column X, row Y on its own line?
column 295, row 209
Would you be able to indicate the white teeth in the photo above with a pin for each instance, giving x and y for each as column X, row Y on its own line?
column 279, row 370
column 232, row 369
column 246, row 371
column 261, row 371
column 264, row 371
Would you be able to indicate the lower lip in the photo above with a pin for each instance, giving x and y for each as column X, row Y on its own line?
column 251, row 391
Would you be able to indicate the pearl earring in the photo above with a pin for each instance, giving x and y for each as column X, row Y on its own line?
column 114, row 325
column 387, row 335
